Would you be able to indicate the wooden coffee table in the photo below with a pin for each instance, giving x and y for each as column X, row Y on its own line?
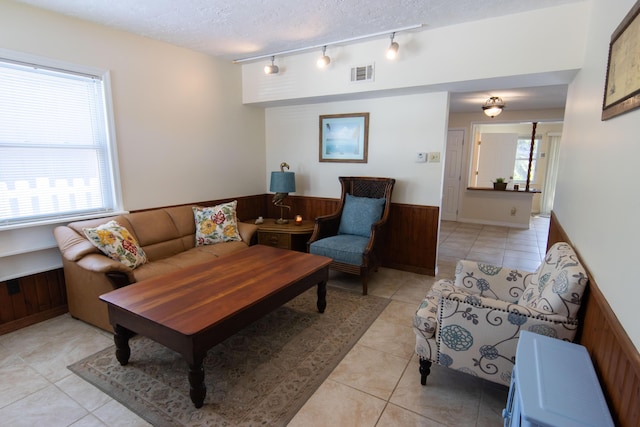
column 193, row 309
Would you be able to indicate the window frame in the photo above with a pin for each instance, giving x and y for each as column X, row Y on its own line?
column 534, row 160
column 111, row 164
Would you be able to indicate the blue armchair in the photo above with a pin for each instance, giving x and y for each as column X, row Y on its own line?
column 348, row 236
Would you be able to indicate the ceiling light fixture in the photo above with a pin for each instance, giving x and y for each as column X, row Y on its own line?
column 271, row 69
column 493, row 106
column 324, row 60
column 392, row 51
column 337, row 42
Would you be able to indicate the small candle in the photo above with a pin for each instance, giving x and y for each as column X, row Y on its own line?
column 298, row 219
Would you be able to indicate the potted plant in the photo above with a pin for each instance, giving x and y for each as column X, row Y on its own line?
column 500, row 184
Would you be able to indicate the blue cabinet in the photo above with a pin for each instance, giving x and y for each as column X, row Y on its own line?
column 553, row 384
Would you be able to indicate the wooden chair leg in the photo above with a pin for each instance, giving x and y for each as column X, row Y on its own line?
column 365, row 283
column 425, row 370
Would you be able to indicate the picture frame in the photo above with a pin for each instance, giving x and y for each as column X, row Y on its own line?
column 344, row 138
column 622, row 83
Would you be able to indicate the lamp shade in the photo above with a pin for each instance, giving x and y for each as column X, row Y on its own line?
column 282, row 182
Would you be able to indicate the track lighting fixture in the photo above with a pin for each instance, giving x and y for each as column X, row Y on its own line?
column 324, row 60
column 394, row 46
column 271, row 69
column 493, row 106
column 392, row 52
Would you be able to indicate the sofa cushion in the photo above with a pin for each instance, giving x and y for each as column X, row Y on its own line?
column 117, row 243
column 216, row 224
column 358, row 214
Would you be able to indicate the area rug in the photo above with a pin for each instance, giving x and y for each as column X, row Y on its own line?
column 260, row 376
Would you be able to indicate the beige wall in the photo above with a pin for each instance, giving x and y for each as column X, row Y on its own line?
column 183, row 134
column 399, row 127
column 596, row 201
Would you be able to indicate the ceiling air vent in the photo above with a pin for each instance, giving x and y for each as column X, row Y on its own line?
column 362, row 74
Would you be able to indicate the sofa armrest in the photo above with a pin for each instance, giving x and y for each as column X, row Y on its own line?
column 247, row 231
column 72, row 245
column 99, row 263
column 492, row 281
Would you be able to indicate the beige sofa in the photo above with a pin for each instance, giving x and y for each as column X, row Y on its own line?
column 167, row 236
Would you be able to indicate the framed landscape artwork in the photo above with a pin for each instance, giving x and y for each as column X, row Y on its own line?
column 622, row 85
column 344, row 138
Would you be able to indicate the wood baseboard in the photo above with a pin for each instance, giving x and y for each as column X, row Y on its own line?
column 614, row 357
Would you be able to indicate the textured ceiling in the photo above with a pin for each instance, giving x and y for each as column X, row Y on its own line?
column 236, row 29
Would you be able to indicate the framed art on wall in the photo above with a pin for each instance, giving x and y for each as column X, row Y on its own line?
column 344, row 138
column 622, row 85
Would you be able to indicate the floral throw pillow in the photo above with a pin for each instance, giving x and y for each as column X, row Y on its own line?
column 117, row 243
column 216, row 224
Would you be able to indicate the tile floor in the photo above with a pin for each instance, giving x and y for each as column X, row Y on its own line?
column 376, row 384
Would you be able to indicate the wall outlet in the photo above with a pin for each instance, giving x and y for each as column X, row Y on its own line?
column 434, row 157
column 514, row 211
column 421, row 157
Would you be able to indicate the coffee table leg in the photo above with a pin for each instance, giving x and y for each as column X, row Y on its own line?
column 197, row 390
column 322, row 296
column 121, row 338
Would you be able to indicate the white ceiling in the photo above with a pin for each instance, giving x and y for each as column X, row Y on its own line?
column 236, row 29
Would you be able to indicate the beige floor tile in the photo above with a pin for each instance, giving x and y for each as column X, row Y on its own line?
column 335, row 404
column 495, row 259
column 450, row 397
column 391, row 338
column 88, row 421
column 115, row 414
column 371, row 371
column 400, row 312
column 17, row 379
column 485, row 249
column 48, row 407
column 492, row 402
column 83, row 392
column 413, row 293
column 395, row 416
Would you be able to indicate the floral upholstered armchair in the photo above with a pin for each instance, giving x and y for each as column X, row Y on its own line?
column 472, row 323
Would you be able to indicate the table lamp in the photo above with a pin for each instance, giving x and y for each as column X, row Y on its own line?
column 282, row 183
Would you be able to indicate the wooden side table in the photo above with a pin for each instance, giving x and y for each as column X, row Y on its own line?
column 285, row 236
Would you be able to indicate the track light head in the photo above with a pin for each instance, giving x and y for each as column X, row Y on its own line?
column 324, row 60
column 271, row 69
column 392, row 51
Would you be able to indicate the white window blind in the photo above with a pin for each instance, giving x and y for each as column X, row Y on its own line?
column 55, row 159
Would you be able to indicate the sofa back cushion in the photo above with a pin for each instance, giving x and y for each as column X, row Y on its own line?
column 160, row 232
column 157, row 233
column 559, row 283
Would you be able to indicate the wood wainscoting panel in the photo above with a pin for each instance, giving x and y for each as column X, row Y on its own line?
column 412, row 238
column 31, row 299
column 614, row 357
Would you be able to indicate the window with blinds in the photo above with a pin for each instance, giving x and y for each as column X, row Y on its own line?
column 55, row 153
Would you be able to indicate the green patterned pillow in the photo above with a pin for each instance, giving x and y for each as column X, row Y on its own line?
column 117, row 243
column 216, row 224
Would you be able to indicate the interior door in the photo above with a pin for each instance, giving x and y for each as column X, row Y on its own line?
column 497, row 157
column 452, row 168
